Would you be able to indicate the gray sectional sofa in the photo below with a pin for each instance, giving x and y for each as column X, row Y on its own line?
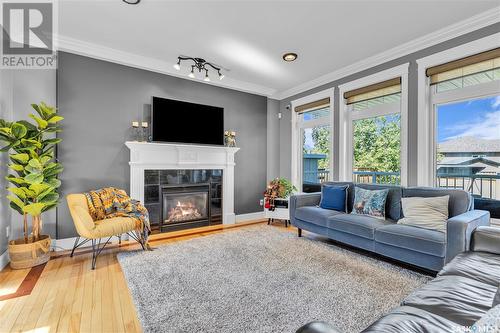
column 425, row 248
column 459, row 299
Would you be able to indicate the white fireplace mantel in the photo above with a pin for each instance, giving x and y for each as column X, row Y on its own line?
column 171, row 156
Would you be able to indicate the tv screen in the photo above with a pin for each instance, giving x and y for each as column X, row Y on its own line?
column 184, row 122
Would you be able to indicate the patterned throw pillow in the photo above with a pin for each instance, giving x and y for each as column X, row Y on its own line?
column 369, row 202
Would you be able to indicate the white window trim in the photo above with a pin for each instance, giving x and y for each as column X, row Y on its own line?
column 346, row 117
column 296, row 148
column 426, row 128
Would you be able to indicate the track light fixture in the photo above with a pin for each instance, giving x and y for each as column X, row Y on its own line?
column 201, row 65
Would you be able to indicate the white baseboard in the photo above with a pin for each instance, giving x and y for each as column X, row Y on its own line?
column 65, row 244
column 4, row 259
column 249, row 216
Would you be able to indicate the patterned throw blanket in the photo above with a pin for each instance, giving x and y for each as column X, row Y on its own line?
column 109, row 202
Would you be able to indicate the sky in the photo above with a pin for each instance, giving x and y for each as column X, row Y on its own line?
column 478, row 118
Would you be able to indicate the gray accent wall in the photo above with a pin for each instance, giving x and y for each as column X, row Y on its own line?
column 273, row 139
column 285, row 123
column 100, row 99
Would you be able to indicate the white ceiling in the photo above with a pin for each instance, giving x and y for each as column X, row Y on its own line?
column 249, row 37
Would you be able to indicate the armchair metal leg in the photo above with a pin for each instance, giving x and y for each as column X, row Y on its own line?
column 77, row 245
column 299, row 232
column 137, row 238
column 97, row 249
column 74, row 246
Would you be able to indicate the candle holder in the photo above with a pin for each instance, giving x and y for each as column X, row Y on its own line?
column 136, row 131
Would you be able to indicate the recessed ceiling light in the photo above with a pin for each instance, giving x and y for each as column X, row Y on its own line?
column 289, row 56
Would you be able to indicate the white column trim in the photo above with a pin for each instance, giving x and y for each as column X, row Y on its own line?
column 426, row 122
column 345, row 120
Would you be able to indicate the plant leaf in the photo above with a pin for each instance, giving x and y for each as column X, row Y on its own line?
column 15, row 180
column 42, row 124
column 34, row 178
column 51, row 197
column 16, row 200
column 29, row 126
column 54, row 119
column 22, row 158
column 34, row 209
column 17, row 191
column 16, row 208
column 16, row 167
column 18, row 130
column 51, row 141
column 39, row 188
column 35, row 163
column 31, row 143
column 53, row 182
column 52, row 169
column 49, row 206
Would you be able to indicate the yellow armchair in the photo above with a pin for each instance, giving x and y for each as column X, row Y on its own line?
column 93, row 231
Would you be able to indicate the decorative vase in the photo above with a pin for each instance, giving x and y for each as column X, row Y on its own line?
column 26, row 255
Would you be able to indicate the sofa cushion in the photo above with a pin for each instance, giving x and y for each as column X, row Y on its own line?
column 459, row 203
column 334, row 197
column 456, row 298
column 412, row 238
column 480, row 266
column 315, row 214
column 428, row 213
column 370, row 202
column 406, row 319
column 359, row 225
column 393, row 201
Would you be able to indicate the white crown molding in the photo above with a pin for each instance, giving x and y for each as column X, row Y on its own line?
column 101, row 52
column 473, row 23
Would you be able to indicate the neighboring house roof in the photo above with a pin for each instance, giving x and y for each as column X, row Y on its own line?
column 478, row 165
column 469, row 144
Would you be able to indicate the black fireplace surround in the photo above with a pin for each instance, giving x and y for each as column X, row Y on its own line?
column 183, row 199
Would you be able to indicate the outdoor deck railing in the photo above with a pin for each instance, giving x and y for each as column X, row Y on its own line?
column 376, row 177
column 485, row 186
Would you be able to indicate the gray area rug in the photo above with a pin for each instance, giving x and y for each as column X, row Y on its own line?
column 260, row 279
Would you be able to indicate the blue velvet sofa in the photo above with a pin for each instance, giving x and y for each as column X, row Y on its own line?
column 428, row 249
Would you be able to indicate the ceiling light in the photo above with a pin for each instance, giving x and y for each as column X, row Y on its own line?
column 201, row 65
column 132, row 2
column 177, row 66
column 206, row 79
column 289, row 56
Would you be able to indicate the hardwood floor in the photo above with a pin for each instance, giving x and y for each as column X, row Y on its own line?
column 70, row 297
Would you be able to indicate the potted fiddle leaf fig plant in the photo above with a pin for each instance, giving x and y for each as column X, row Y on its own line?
column 33, row 179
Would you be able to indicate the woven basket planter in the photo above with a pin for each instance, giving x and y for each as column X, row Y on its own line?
column 27, row 255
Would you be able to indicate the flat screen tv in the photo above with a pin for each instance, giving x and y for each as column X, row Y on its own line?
column 184, row 122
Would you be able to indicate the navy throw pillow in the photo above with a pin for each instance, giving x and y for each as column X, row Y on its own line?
column 334, row 197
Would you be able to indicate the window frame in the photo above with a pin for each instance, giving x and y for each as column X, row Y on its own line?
column 426, row 133
column 297, row 133
column 346, row 118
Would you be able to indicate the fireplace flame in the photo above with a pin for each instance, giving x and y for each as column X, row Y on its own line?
column 183, row 211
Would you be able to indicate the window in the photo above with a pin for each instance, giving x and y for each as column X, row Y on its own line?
column 311, row 132
column 374, row 116
column 465, row 101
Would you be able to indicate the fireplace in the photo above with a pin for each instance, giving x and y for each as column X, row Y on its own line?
column 183, row 199
column 187, row 204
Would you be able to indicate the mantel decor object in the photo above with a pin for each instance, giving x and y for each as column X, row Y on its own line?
column 230, row 138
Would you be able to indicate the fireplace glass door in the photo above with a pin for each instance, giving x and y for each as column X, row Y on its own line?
column 183, row 204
